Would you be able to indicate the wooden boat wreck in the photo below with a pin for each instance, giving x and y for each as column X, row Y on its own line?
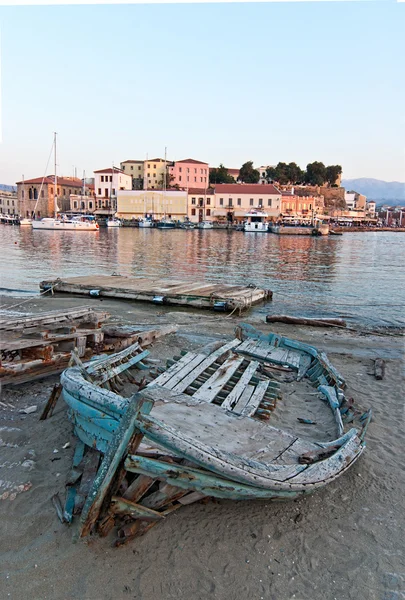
column 200, row 429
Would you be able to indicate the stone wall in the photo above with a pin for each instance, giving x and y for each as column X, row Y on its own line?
column 333, row 197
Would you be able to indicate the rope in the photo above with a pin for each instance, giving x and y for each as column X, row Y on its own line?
column 30, row 298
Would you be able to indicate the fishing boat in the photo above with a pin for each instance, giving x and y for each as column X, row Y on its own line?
column 145, row 222
column 63, row 223
column 166, row 224
column 8, row 219
column 201, row 429
column 187, row 225
column 114, row 223
column 256, row 221
column 205, row 225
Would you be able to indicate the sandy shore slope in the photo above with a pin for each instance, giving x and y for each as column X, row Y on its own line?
column 345, row 542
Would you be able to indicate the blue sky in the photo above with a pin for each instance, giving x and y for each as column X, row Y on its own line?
column 216, row 82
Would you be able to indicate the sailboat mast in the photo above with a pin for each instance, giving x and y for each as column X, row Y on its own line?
column 55, row 196
column 164, row 185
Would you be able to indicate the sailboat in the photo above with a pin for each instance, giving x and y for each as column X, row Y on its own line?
column 78, row 223
column 165, row 223
column 24, row 222
column 147, row 220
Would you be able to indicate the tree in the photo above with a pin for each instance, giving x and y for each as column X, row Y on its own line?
column 285, row 174
column 332, row 174
column 316, row 173
column 295, row 174
column 248, row 174
column 220, row 175
column 169, row 179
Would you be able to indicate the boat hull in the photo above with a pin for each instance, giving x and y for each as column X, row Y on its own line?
column 55, row 225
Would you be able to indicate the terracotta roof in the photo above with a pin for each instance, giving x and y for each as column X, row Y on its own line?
column 191, row 160
column 132, row 161
column 157, row 160
column 109, row 170
column 201, row 191
column 246, row 188
column 50, row 179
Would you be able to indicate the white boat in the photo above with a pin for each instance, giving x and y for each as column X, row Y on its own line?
column 77, row 223
column 256, row 222
column 144, row 222
column 73, row 224
column 205, row 225
column 25, row 223
column 114, row 223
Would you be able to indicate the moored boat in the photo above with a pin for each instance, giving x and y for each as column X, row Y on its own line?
column 25, row 222
column 166, row 224
column 114, row 223
column 145, row 222
column 256, row 221
column 205, row 225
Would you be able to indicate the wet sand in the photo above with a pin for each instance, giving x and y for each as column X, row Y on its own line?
column 344, row 542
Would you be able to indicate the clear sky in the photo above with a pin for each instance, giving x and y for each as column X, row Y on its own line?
column 215, row 82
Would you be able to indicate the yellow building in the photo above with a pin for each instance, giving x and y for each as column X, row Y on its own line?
column 154, row 170
column 133, row 204
column 135, row 169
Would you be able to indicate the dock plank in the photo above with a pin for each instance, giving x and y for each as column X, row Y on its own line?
column 216, row 382
column 239, row 388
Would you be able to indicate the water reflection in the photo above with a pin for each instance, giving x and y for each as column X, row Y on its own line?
column 358, row 275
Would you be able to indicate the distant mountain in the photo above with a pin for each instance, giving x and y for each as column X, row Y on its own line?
column 7, row 188
column 375, row 189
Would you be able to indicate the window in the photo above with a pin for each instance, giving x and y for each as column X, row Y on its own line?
column 90, row 204
column 221, row 202
column 148, row 174
column 58, row 192
column 230, row 203
column 22, row 194
column 193, row 211
column 208, row 200
column 154, row 175
column 110, row 177
column 188, row 178
column 99, row 191
column 260, row 201
column 179, row 177
column 179, row 169
column 64, row 192
column 70, row 191
column 195, row 179
column 192, row 200
column 139, row 168
column 132, row 168
column 195, row 170
column 35, row 194
column 30, row 193
column 201, row 172
column 51, row 190
column 269, row 202
column 148, row 166
column 200, row 201
column 42, row 194
column 208, row 212
column 113, row 192
column 102, row 177
column 239, row 201
column 188, row 170
column 75, row 204
column 201, row 179
column 106, row 193
column 251, row 202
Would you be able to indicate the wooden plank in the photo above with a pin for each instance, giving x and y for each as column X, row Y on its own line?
column 98, row 364
column 257, row 397
column 216, row 382
column 174, row 369
column 114, row 371
column 237, row 391
column 113, row 458
column 186, row 369
column 184, row 383
column 136, row 511
column 244, row 399
column 8, row 323
column 22, row 344
column 90, row 463
column 138, row 488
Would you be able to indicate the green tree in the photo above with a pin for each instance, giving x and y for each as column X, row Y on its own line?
column 220, row 175
column 295, row 174
column 285, row 173
column 316, row 173
column 332, row 173
column 248, row 174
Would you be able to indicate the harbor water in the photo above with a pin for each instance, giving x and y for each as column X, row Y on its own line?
column 357, row 276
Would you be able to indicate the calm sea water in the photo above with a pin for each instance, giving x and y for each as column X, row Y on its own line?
column 359, row 276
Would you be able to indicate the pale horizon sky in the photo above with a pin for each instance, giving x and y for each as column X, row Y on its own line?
column 291, row 82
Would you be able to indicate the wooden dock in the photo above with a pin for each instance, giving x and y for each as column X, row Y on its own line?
column 219, row 297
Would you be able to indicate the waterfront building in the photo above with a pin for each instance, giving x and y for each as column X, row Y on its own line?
column 8, row 203
column 233, row 201
column 85, row 202
column 155, row 170
column 200, row 204
column 355, row 201
column 134, row 168
column 263, row 174
column 300, row 207
column 107, row 183
column 189, row 173
column 134, row 204
column 36, row 197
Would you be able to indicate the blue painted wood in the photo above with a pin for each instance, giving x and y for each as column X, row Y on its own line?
column 111, row 461
column 190, row 478
column 72, row 490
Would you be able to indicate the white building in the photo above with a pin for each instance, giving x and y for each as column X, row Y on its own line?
column 263, row 174
column 107, row 183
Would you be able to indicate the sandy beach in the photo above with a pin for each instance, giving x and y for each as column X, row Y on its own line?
column 342, row 543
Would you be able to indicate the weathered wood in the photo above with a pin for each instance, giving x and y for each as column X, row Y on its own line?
column 49, row 318
column 237, row 391
column 379, row 368
column 136, row 511
column 215, row 383
column 138, row 488
column 305, row 321
column 90, row 465
column 112, row 461
column 50, row 405
column 255, row 400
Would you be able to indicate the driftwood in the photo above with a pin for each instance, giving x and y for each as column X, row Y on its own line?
column 305, row 321
column 379, row 368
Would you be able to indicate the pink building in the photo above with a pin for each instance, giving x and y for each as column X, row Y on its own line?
column 189, row 173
